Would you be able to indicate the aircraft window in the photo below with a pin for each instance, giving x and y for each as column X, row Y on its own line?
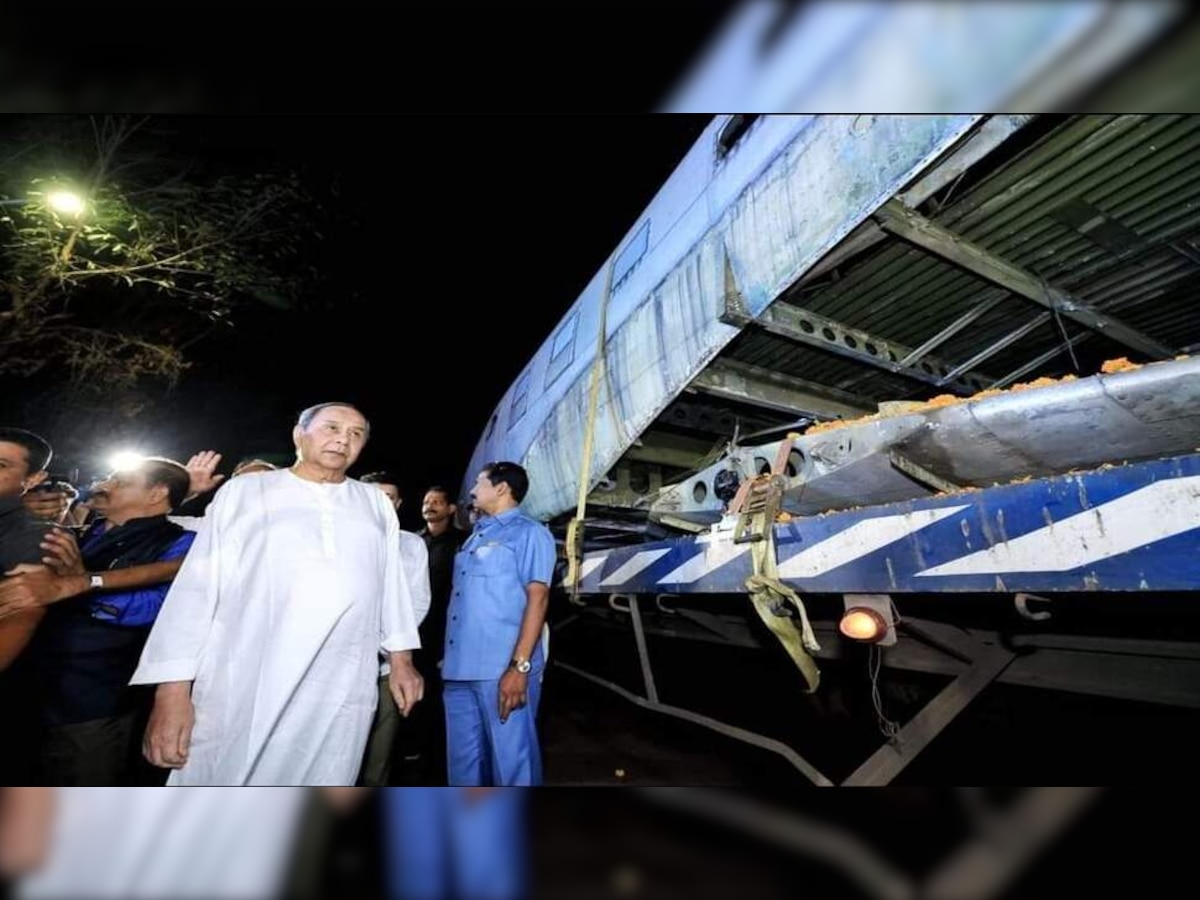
column 520, row 400
column 628, row 259
column 735, row 129
column 562, row 350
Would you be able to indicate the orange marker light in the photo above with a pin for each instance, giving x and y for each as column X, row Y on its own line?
column 862, row 624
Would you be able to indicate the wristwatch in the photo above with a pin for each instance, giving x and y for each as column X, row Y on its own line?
column 521, row 665
column 96, row 582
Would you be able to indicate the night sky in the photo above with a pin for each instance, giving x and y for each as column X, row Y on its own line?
column 451, row 247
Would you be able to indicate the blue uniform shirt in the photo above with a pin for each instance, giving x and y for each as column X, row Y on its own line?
column 504, row 553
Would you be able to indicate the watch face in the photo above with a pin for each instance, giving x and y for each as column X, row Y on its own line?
column 524, row 666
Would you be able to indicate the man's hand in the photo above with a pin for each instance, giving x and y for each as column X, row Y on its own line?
column 50, row 505
column 29, row 587
column 169, row 733
column 513, row 692
column 62, row 553
column 405, row 682
column 201, row 469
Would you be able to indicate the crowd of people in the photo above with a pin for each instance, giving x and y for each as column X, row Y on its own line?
column 170, row 625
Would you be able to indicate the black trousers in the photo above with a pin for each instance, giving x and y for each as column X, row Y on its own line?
column 407, row 751
column 101, row 752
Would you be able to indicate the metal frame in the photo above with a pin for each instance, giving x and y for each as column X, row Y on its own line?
column 909, row 225
column 732, row 731
column 756, row 386
column 899, row 217
column 920, row 474
column 803, row 326
column 889, row 760
column 1022, row 370
column 1038, row 321
column 1148, row 671
column 973, row 660
column 653, row 704
column 651, row 701
column 967, row 318
column 881, row 767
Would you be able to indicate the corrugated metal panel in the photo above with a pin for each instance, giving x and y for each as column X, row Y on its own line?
column 1139, row 172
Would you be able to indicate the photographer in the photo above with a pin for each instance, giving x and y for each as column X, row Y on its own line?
column 51, row 499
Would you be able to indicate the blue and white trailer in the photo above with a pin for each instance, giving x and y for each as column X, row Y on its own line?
column 840, row 271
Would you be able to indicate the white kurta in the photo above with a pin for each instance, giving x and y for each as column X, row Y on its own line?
column 414, row 556
column 278, row 615
column 117, row 843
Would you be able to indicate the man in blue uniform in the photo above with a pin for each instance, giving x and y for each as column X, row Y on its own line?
column 494, row 656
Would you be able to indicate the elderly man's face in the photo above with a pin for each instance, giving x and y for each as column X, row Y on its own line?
column 333, row 439
column 15, row 477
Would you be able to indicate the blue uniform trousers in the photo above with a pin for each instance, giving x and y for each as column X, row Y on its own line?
column 483, row 752
column 442, row 843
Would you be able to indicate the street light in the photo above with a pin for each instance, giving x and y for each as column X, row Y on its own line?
column 62, row 201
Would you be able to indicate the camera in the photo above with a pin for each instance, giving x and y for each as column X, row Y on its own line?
column 55, row 484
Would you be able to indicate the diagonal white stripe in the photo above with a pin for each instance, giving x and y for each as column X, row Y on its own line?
column 1153, row 513
column 590, row 564
column 633, row 565
column 715, row 553
column 858, row 540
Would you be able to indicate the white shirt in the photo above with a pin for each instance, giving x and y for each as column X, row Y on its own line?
column 415, row 556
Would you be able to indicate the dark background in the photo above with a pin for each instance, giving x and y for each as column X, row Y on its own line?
column 450, row 246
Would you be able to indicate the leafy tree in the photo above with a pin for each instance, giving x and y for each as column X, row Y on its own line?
column 161, row 254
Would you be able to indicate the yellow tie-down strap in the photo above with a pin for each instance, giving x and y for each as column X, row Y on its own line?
column 770, row 597
column 574, row 549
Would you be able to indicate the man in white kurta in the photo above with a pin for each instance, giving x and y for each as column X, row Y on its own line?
column 292, row 587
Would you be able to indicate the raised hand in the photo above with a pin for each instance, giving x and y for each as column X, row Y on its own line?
column 201, row 472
